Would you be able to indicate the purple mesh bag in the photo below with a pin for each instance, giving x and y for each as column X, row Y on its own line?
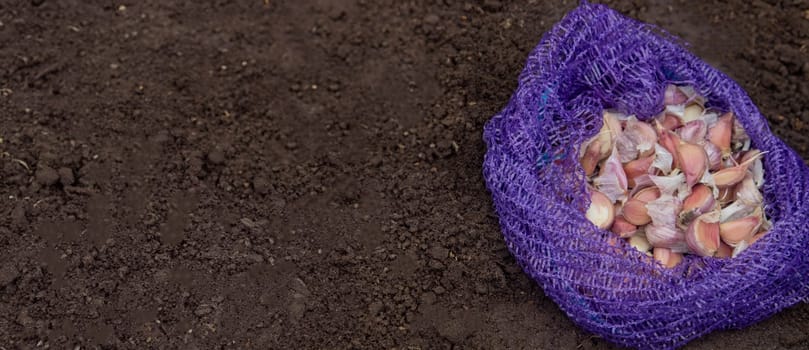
column 596, row 59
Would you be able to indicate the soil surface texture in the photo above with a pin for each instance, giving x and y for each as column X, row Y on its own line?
column 280, row 174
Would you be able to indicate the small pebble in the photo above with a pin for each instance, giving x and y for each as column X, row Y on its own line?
column 46, row 175
column 18, row 217
column 8, row 274
column 216, row 157
column 203, row 310
column 66, row 176
column 431, row 19
column 261, row 185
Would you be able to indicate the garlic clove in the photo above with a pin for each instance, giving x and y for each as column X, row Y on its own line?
column 647, row 194
column 724, row 251
column 719, row 134
column 623, row 228
column 665, row 237
column 595, row 151
column 735, row 174
column 670, row 121
column 714, row 156
column 747, row 191
column 693, row 161
column 674, row 96
column 636, row 168
column 666, row 257
column 735, row 231
column 640, row 243
column 601, row 211
column 612, row 179
column 700, row 201
column 692, row 112
column 729, row 176
column 669, row 140
column 693, row 131
column 702, row 235
column 635, row 212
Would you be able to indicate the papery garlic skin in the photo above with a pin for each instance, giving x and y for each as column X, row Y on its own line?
column 663, row 232
column 676, row 111
column 693, row 132
column 714, row 156
column 673, row 96
column 663, row 159
column 757, row 167
column 612, row 180
column 637, row 140
column 669, row 184
column 756, row 237
column 739, row 248
column 738, row 136
column 720, row 133
column 747, row 191
column 669, row 141
column 736, row 210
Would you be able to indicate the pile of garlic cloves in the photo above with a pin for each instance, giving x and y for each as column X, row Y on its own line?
column 683, row 182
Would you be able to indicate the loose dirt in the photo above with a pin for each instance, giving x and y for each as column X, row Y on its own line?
column 302, row 174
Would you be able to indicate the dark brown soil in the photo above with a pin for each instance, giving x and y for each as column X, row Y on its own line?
column 302, row 174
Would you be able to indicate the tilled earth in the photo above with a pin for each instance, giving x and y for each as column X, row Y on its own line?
column 302, row 174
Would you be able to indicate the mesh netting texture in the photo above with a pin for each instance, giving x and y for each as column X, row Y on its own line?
column 595, row 59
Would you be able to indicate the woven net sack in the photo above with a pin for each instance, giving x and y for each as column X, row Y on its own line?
column 595, row 59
